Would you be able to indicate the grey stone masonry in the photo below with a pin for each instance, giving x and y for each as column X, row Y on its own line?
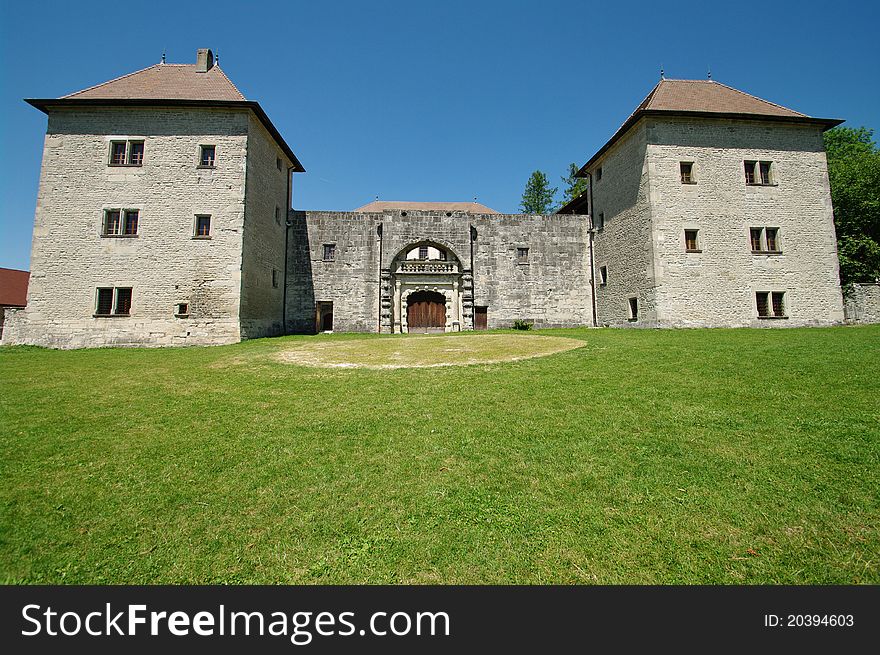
column 648, row 209
column 369, row 277
column 163, row 264
column 862, row 303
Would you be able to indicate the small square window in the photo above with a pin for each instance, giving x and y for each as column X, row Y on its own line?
column 770, row 304
column 603, row 276
column 687, row 172
column 691, row 243
column 182, row 309
column 135, row 153
column 105, row 302
column 112, row 222
column 131, row 222
column 126, row 153
column 764, row 239
column 759, row 173
column 274, row 278
column 423, row 252
column 123, row 301
column 755, row 239
column 522, row 255
column 203, row 226
column 329, row 252
column 633, row 309
column 207, row 156
column 117, row 153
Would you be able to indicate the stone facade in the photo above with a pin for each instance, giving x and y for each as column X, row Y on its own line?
column 370, row 276
column 225, row 280
column 647, row 209
column 260, row 269
column 862, row 303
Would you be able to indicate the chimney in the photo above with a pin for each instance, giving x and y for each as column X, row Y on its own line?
column 204, row 60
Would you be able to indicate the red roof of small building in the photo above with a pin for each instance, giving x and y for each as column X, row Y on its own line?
column 404, row 205
column 13, row 287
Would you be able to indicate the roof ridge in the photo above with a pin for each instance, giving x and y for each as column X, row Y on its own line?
column 231, row 83
column 754, row 97
column 116, row 79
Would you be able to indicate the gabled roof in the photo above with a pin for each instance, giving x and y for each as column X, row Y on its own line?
column 165, row 82
column 13, row 287
column 168, row 85
column 402, row 205
column 706, row 99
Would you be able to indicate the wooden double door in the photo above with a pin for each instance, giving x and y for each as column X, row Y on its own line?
column 426, row 312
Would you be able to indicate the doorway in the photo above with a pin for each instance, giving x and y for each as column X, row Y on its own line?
column 426, row 312
column 481, row 318
column 324, row 316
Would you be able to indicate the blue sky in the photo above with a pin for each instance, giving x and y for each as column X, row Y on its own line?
column 431, row 100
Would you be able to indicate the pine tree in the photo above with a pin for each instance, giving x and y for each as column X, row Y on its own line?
column 538, row 197
column 575, row 186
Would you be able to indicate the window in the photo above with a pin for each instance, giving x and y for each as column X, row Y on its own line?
column 182, row 309
column 120, row 223
column 278, row 163
column 329, row 252
column 126, row 153
column 442, row 254
column 764, row 240
column 274, row 278
column 203, row 226
column 522, row 255
column 770, row 304
column 277, row 215
column 423, row 252
column 598, row 173
column 600, row 221
column 691, row 244
column 207, row 156
column 687, row 172
column 633, row 309
column 113, row 301
column 759, row 173
column 603, row 276
column 772, row 242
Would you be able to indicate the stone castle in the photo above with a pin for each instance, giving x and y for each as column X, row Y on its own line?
column 164, row 218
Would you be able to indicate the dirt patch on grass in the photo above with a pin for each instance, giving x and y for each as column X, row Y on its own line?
column 416, row 351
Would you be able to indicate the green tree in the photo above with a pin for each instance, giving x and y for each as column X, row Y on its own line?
column 854, row 174
column 538, row 197
column 574, row 186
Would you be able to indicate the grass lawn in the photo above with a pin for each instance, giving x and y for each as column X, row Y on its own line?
column 693, row 456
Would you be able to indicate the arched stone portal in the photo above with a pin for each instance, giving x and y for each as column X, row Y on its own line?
column 424, row 290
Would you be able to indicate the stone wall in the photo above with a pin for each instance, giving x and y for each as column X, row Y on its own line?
column 862, row 303
column 623, row 244
column 716, row 286
column 551, row 288
column 266, row 208
column 164, row 265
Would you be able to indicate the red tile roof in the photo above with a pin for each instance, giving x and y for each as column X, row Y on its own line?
column 399, row 205
column 709, row 96
column 172, row 85
column 165, row 82
column 705, row 98
column 13, row 287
